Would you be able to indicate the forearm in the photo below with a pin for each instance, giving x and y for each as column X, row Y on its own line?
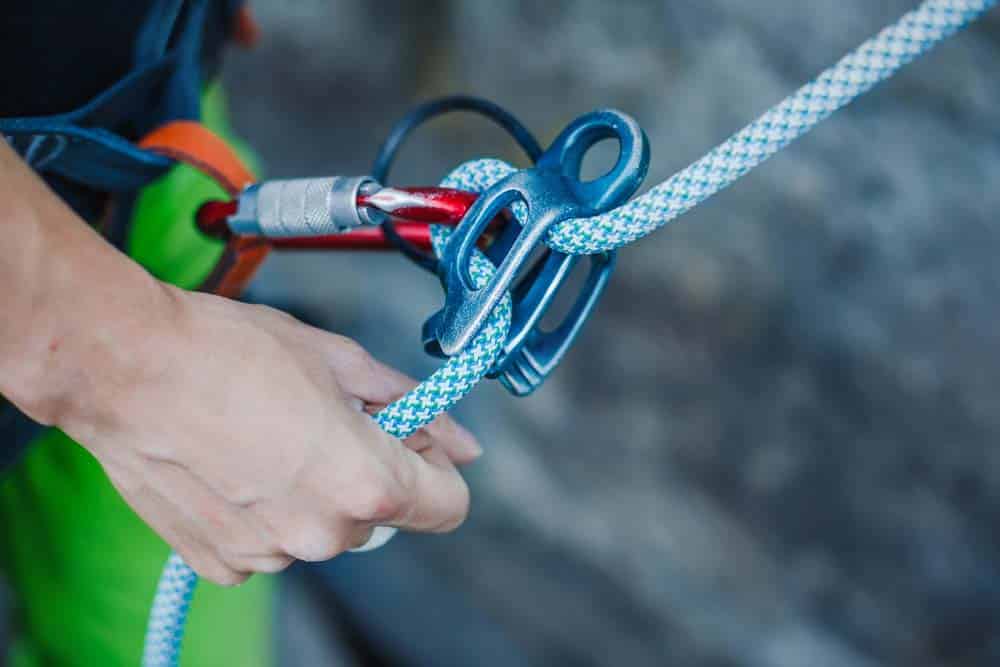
column 75, row 310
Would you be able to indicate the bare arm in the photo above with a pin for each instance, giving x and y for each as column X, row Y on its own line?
column 74, row 308
column 233, row 430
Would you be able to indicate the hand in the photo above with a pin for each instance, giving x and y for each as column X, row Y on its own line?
column 236, row 432
column 241, row 436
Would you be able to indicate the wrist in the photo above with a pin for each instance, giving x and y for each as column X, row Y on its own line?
column 112, row 349
column 78, row 315
column 89, row 340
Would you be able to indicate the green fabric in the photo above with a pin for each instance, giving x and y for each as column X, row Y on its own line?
column 82, row 565
column 179, row 253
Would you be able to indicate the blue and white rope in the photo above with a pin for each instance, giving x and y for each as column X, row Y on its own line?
column 445, row 387
column 874, row 61
column 169, row 613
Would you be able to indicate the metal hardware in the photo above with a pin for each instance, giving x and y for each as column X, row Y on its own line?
column 532, row 353
column 304, row 207
column 551, row 192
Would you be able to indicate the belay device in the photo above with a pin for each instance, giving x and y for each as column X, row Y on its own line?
column 546, row 194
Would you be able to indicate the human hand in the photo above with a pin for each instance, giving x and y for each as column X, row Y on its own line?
column 241, row 436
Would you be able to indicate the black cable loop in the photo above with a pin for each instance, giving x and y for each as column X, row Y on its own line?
column 418, row 116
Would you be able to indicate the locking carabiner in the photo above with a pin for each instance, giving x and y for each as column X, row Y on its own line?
column 344, row 215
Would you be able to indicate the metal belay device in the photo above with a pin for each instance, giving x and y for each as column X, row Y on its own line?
column 539, row 197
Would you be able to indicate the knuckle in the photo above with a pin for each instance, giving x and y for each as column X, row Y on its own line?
column 374, row 501
column 229, row 577
column 274, row 565
column 262, row 564
column 376, row 506
column 219, row 573
column 313, row 543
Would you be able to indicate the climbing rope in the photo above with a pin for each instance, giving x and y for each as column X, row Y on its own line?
column 874, row 61
column 445, row 387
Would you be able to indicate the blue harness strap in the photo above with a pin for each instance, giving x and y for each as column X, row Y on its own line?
column 165, row 84
column 93, row 157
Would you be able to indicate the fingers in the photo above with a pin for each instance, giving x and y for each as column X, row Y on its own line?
column 363, row 377
column 378, row 536
column 262, row 564
column 431, row 495
column 212, row 568
column 316, row 539
column 359, row 374
column 225, row 543
column 441, row 496
column 448, row 435
column 245, row 473
column 219, row 540
column 172, row 526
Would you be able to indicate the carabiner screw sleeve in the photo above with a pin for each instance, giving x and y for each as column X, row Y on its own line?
column 304, row 207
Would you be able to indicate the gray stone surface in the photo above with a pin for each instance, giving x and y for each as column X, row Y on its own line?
column 776, row 443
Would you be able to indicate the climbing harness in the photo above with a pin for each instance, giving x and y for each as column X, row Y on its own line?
column 489, row 322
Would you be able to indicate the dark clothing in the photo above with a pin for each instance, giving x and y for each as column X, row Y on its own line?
column 60, row 54
column 61, row 58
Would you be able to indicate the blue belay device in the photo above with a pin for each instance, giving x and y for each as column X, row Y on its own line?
column 546, row 194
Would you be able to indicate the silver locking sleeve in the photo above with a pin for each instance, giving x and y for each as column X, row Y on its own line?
column 303, row 207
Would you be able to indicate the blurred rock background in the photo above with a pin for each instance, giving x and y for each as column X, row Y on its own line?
column 776, row 442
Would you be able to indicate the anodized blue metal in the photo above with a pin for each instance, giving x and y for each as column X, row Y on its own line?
column 551, row 192
column 531, row 352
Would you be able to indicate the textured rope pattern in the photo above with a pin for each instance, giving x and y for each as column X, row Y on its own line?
column 169, row 613
column 876, row 60
column 445, row 387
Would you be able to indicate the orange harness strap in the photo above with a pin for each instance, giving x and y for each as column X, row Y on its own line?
column 194, row 144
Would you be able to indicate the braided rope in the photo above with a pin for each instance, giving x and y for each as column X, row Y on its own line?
column 169, row 613
column 445, row 387
column 874, row 61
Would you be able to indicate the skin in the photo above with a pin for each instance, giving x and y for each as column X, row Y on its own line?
column 236, row 432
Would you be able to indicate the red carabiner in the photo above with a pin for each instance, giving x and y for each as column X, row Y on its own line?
column 412, row 211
